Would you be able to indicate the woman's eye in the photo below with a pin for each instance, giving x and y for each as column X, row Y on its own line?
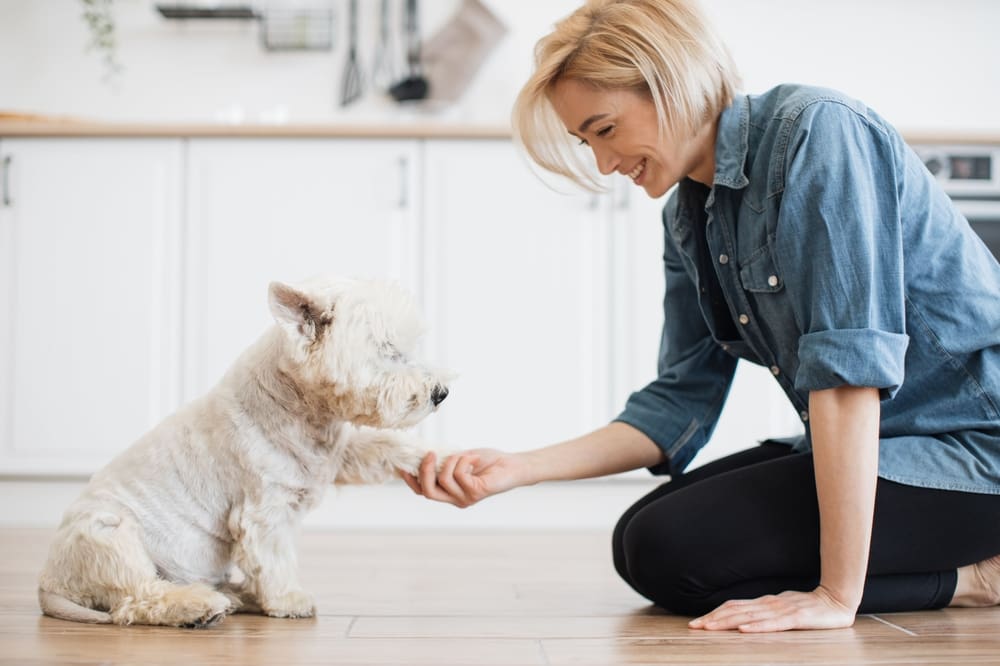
column 604, row 133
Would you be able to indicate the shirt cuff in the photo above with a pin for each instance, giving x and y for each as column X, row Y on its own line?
column 852, row 357
column 676, row 455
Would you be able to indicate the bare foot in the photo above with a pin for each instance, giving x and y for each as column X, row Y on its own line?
column 978, row 584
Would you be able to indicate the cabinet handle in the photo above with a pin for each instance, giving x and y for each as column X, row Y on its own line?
column 404, row 182
column 6, row 181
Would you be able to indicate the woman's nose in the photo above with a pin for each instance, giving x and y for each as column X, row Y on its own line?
column 607, row 160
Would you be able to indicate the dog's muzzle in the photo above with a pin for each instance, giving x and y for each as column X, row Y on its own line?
column 438, row 395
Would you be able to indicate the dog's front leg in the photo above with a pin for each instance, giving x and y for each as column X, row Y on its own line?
column 373, row 456
column 266, row 554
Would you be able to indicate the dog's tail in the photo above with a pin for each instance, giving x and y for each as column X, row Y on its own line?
column 58, row 606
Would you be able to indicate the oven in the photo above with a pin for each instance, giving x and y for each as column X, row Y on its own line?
column 970, row 175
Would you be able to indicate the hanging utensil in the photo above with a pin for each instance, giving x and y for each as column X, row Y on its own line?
column 383, row 64
column 351, row 84
column 415, row 85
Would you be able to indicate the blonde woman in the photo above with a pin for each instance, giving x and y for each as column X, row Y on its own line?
column 805, row 236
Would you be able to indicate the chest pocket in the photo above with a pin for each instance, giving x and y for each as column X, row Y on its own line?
column 758, row 273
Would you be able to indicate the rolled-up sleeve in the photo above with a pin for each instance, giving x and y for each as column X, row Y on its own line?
column 839, row 234
column 679, row 410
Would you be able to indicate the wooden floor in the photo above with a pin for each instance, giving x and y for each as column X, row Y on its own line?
column 471, row 598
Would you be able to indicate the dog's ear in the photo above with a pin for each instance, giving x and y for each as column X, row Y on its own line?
column 294, row 310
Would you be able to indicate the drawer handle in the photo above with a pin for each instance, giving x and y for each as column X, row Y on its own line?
column 6, row 181
column 404, row 182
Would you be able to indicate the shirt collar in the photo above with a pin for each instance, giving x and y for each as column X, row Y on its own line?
column 731, row 144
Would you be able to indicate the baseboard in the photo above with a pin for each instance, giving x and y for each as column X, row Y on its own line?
column 568, row 505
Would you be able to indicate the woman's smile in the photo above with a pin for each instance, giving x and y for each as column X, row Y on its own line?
column 636, row 173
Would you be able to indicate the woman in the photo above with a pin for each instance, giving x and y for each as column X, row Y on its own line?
column 805, row 236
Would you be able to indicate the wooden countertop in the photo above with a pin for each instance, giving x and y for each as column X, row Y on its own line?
column 21, row 125
column 27, row 126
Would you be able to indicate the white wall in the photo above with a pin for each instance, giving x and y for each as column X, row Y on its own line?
column 924, row 64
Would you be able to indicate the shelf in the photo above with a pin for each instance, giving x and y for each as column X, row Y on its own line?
column 187, row 11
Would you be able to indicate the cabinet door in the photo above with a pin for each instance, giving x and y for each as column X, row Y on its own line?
column 88, row 275
column 273, row 209
column 637, row 314
column 517, row 291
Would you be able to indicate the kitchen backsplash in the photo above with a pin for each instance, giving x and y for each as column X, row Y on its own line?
column 927, row 67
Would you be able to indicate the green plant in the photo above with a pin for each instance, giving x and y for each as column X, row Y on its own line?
column 100, row 20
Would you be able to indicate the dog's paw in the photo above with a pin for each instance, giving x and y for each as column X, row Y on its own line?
column 207, row 611
column 240, row 600
column 409, row 460
column 291, row 604
column 206, row 620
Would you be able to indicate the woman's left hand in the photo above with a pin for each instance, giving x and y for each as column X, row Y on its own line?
column 789, row 610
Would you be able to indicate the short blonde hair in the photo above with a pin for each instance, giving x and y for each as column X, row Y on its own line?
column 665, row 50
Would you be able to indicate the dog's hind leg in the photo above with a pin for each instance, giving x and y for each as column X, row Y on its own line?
column 99, row 562
column 158, row 601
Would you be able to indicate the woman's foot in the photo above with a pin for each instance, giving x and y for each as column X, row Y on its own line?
column 978, row 584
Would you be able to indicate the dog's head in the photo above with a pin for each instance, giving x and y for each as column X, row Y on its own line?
column 349, row 344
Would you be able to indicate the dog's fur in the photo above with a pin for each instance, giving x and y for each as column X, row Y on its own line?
column 214, row 492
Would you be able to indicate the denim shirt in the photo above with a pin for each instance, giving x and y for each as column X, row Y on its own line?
column 843, row 263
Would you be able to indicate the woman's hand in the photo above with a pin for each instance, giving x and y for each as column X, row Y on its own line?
column 789, row 610
column 465, row 478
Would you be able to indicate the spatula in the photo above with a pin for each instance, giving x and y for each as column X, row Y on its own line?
column 351, row 84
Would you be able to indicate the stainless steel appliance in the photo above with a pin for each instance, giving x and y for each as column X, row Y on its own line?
column 970, row 175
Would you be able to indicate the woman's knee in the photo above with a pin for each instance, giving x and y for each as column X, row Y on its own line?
column 662, row 563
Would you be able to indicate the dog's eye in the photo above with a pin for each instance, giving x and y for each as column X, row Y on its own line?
column 390, row 352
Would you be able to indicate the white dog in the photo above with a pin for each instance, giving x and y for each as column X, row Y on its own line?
column 223, row 483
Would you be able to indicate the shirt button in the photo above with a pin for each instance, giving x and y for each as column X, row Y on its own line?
column 775, row 370
column 744, row 319
column 805, row 416
column 725, row 347
column 723, row 258
column 773, row 280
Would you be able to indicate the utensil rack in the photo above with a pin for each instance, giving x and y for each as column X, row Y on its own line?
column 304, row 28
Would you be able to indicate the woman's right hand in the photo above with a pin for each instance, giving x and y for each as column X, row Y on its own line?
column 467, row 477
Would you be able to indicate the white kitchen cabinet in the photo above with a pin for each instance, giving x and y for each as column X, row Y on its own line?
column 133, row 271
column 89, row 268
column 517, row 294
column 265, row 209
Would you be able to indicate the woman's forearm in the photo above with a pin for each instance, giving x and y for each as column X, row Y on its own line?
column 617, row 447
column 845, row 426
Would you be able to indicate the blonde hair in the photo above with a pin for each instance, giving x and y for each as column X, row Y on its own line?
column 665, row 50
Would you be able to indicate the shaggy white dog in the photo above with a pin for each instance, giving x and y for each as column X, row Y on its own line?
column 221, row 485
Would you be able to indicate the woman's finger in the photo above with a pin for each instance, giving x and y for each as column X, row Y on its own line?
column 428, row 480
column 466, row 478
column 446, row 480
column 732, row 614
column 411, row 481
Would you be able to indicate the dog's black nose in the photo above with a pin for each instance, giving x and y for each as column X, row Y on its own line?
column 438, row 395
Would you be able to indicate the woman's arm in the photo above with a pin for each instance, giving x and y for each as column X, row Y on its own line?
column 465, row 478
column 845, row 425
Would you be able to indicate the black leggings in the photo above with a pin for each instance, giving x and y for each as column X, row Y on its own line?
column 748, row 525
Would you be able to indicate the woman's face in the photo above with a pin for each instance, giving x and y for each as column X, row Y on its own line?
column 620, row 126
